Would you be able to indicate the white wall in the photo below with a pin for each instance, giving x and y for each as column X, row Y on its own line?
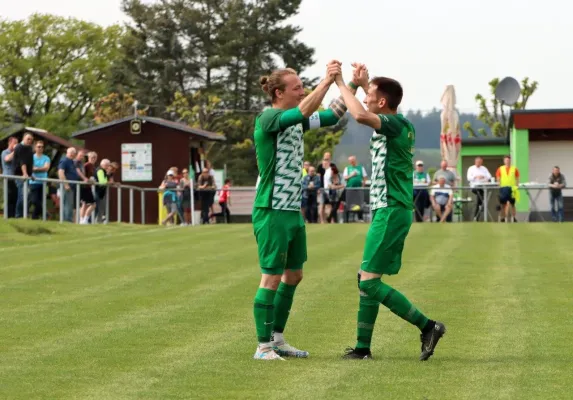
column 543, row 156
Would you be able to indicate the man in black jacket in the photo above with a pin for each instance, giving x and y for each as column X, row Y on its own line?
column 23, row 166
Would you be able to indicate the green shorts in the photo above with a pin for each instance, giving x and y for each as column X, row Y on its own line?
column 385, row 240
column 281, row 239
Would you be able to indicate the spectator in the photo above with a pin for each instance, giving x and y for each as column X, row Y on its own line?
column 169, row 196
column 335, row 191
column 478, row 174
column 104, row 176
column 67, row 171
column 556, row 184
column 305, row 167
column 224, row 202
column 421, row 196
column 354, row 174
column 86, row 196
column 40, row 171
column 324, row 172
column 442, row 199
column 311, row 189
column 87, row 191
column 446, row 173
column 186, row 183
column 209, row 166
column 206, row 187
column 355, row 177
column 8, row 169
column 176, row 177
column 508, row 178
column 23, row 166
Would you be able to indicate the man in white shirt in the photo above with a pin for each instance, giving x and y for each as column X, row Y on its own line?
column 442, row 199
column 478, row 174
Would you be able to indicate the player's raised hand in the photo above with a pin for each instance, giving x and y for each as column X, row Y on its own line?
column 360, row 75
column 333, row 68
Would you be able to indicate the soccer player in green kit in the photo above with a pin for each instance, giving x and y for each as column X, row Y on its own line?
column 391, row 194
column 277, row 221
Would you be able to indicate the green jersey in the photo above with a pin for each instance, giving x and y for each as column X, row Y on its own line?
column 392, row 150
column 280, row 149
column 356, row 180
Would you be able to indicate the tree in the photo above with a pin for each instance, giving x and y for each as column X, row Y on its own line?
column 115, row 106
column 52, row 69
column 209, row 53
column 322, row 140
column 216, row 46
column 204, row 111
column 498, row 118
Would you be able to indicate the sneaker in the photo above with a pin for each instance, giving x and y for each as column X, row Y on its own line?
column 266, row 353
column 286, row 350
column 430, row 340
column 357, row 354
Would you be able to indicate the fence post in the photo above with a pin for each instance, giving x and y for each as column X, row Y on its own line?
column 192, row 204
column 44, row 202
column 107, row 204
column 142, row 207
column 25, row 199
column 77, row 201
column 119, row 204
column 130, row 205
column 62, row 201
column 5, row 194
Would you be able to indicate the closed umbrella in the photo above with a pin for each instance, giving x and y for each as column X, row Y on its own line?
column 450, row 137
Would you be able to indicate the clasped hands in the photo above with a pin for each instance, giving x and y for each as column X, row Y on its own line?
column 334, row 74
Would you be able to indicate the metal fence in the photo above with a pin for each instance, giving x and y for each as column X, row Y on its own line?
column 480, row 203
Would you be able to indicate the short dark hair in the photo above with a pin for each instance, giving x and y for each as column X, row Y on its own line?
column 390, row 89
column 508, row 156
column 228, row 180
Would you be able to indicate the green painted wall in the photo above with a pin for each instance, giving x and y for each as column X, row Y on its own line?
column 519, row 141
column 486, row 150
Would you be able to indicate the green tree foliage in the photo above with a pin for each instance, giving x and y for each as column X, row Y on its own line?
column 53, row 69
column 322, row 140
column 187, row 58
column 496, row 117
column 115, row 106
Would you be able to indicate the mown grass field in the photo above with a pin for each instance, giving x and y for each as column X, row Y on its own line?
column 129, row 312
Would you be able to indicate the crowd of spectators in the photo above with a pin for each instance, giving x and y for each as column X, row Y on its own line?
column 27, row 160
column 176, row 191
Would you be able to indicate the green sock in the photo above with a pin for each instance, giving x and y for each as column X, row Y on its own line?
column 394, row 300
column 283, row 303
column 367, row 313
column 264, row 314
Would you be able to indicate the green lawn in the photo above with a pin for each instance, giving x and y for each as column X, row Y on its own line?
column 129, row 312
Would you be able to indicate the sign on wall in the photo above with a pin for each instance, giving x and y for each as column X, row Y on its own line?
column 136, row 162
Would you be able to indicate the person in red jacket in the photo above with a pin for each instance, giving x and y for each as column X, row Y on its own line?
column 224, row 202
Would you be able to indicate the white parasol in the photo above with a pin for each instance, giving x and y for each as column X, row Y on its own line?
column 450, row 137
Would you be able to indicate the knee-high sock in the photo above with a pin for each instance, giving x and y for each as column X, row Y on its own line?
column 394, row 300
column 367, row 313
column 264, row 314
column 283, row 304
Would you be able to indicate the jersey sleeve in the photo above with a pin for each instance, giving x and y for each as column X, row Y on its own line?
column 320, row 119
column 390, row 125
column 273, row 120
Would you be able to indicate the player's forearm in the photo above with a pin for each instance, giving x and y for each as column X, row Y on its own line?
column 353, row 104
column 338, row 106
column 311, row 102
